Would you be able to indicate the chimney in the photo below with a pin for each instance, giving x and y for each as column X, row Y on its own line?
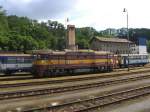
column 70, row 44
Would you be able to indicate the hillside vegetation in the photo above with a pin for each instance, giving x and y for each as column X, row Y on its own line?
column 23, row 33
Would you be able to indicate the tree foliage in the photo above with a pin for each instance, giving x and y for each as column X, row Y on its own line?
column 22, row 34
column 83, row 35
column 3, row 21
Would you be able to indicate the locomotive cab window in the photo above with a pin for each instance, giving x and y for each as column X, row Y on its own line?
column 34, row 57
column 41, row 56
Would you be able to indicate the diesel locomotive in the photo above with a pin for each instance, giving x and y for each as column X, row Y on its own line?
column 73, row 62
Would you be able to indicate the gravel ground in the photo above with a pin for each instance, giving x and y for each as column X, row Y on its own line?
column 58, row 98
column 142, row 104
column 66, row 83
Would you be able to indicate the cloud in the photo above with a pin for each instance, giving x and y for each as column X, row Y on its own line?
column 102, row 14
column 39, row 9
column 99, row 14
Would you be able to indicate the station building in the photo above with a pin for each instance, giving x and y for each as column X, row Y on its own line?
column 114, row 45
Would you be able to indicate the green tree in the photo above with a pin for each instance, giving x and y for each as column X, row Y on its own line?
column 3, row 21
column 28, row 43
column 83, row 35
column 4, row 40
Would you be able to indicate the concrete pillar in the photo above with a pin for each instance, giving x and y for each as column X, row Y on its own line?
column 70, row 42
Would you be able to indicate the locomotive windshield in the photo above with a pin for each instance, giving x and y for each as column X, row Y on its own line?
column 42, row 56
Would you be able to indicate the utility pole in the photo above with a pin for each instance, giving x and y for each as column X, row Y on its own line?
column 125, row 10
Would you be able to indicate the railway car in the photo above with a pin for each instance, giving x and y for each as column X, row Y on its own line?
column 72, row 61
column 11, row 63
column 134, row 60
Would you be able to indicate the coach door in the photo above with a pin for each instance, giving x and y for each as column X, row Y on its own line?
column 19, row 62
column 3, row 63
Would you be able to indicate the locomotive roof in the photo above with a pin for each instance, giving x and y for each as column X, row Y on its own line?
column 72, row 52
column 67, row 51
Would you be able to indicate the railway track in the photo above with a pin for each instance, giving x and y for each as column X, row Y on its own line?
column 15, row 74
column 95, row 103
column 16, row 78
column 45, row 91
column 32, row 83
column 11, row 77
column 29, row 76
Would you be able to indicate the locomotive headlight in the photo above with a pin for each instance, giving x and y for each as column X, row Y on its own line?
column 117, row 61
column 54, row 103
column 42, row 61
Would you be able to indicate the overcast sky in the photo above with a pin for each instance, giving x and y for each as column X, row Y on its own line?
column 99, row 14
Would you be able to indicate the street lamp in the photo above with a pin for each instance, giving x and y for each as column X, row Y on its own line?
column 125, row 11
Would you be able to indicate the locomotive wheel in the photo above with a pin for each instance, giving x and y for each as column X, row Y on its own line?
column 38, row 74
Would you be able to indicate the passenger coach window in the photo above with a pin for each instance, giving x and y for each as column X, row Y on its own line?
column 4, row 60
column 20, row 60
column 11, row 60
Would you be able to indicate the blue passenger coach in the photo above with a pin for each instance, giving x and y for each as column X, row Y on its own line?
column 134, row 60
column 11, row 63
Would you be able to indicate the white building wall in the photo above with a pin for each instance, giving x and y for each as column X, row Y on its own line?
column 142, row 50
